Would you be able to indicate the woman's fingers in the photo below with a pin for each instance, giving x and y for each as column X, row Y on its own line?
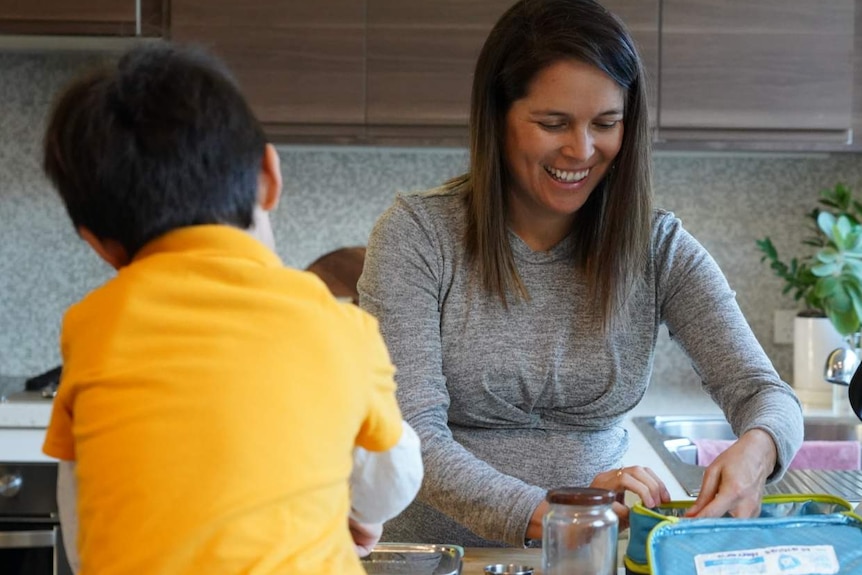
column 664, row 494
column 642, row 481
column 708, row 491
column 734, row 482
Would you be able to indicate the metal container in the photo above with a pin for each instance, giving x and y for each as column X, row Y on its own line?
column 510, row 569
column 413, row 559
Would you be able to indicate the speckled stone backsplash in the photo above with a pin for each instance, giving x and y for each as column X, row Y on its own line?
column 333, row 196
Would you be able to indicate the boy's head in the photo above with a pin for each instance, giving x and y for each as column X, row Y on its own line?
column 163, row 139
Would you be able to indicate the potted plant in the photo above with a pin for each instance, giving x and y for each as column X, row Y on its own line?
column 828, row 280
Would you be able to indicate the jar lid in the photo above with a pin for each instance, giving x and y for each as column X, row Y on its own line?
column 583, row 496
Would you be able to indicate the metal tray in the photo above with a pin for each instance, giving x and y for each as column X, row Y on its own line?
column 413, row 559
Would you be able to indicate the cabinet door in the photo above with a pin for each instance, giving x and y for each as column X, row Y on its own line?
column 83, row 17
column 421, row 56
column 738, row 69
column 300, row 64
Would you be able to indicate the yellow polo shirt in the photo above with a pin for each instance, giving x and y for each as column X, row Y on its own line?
column 212, row 398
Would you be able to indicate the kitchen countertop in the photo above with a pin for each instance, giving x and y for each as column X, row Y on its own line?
column 20, row 409
column 476, row 558
column 23, row 419
column 24, row 411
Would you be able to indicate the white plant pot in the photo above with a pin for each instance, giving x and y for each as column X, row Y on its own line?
column 813, row 340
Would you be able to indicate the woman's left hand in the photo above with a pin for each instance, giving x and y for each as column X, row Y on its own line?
column 734, row 482
column 642, row 481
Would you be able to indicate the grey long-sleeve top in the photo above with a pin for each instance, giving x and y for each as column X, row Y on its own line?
column 511, row 402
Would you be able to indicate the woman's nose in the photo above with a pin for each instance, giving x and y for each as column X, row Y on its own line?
column 579, row 145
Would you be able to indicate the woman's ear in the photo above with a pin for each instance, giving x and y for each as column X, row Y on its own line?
column 109, row 250
column 269, row 180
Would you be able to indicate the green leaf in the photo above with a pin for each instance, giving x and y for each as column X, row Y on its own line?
column 839, row 300
column 826, row 223
column 826, row 286
column 827, row 255
column 854, row 241
column 825, row 269
column 844, row 322
column 853, row 268
column 768, row 249
column 843, row 226
column 854, row 290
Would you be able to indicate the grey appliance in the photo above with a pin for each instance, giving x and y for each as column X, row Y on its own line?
column 30, row 539
column 31, row 542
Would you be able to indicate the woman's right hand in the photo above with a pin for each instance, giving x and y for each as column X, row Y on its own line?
column 642, row 481
column 534, row 529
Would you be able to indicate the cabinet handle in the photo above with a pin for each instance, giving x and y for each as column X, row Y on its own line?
column 26, row 539
column 137, row 17
column 830, row 136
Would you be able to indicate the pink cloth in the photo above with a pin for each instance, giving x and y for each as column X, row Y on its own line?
column 834, row 455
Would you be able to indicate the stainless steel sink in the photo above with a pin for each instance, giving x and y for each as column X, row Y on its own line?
column 672, row 438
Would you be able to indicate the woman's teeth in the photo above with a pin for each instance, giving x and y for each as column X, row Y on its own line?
column 566, row 176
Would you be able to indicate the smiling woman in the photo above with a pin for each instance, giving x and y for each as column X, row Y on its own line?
column 521, row 301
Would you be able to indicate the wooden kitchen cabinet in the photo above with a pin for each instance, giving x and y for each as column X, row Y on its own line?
column 421, row 56
column 721, row 74
column 778, row 72
column 301, row 64
column 83, row 17
column 420, row 61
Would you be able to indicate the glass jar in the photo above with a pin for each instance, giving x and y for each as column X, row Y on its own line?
column 579, row 532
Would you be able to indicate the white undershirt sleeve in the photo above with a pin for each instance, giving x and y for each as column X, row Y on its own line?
column 384, row 483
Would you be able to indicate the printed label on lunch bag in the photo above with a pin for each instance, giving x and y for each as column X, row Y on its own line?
column 784, row 560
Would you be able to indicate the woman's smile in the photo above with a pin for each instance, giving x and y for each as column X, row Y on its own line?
column 567, row 176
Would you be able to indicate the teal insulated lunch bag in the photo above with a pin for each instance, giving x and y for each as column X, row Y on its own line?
column 794, row 535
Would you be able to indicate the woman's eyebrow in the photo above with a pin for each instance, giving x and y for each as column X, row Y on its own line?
column 612, row 112
column 556, row 113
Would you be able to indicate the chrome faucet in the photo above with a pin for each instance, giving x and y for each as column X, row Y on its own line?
column 841, row 364
column 844, row 367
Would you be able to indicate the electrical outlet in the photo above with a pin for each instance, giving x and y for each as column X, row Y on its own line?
column 783, row 327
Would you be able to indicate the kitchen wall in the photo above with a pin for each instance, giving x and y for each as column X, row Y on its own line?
column 334, row 194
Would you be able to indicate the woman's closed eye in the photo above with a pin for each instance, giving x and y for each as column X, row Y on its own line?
column 607, row 125
column 553, row 126
column 560, row 126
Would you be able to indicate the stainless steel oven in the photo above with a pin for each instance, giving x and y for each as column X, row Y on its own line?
column 30, row 539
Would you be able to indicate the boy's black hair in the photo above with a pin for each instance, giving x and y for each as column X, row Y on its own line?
column 163, row 139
